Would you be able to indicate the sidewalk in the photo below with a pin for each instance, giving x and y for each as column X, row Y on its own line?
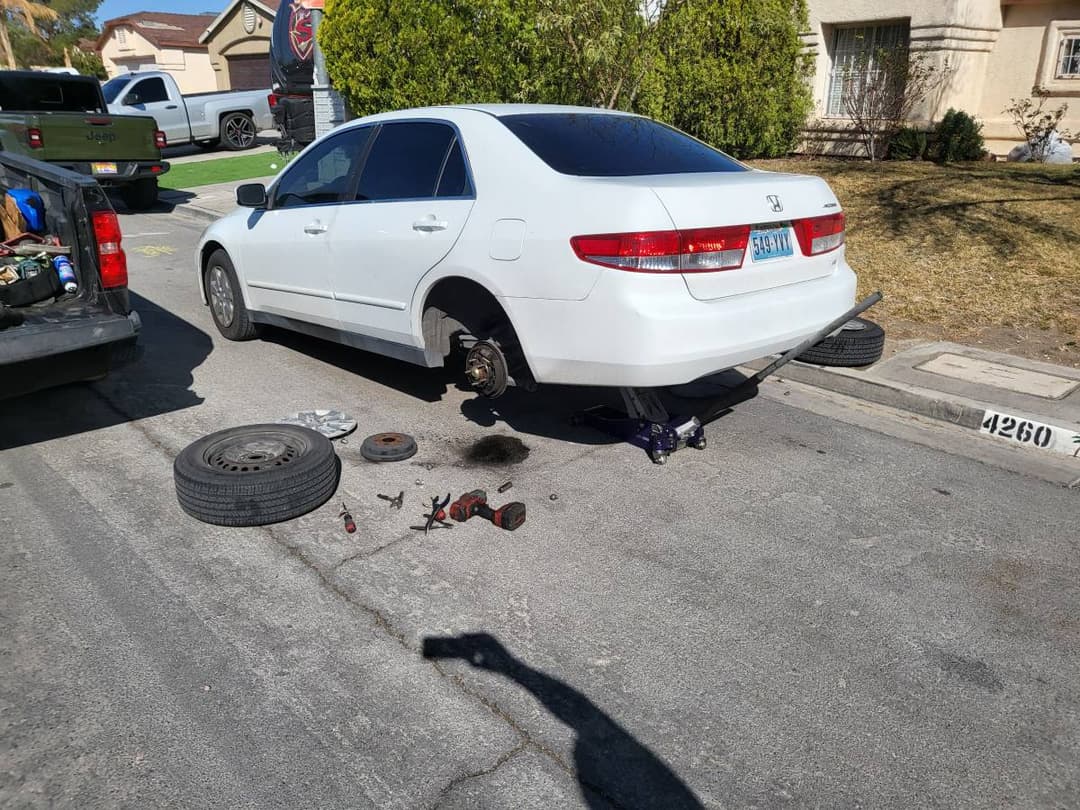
column 206, row 203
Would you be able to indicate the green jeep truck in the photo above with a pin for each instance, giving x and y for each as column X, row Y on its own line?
column 64, row 120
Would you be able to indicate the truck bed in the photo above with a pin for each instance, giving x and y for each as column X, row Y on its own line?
column 72, row 337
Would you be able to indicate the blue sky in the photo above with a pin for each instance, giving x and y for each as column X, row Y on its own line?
column 118, row 8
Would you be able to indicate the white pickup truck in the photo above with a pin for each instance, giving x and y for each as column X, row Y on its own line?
column 232, row 118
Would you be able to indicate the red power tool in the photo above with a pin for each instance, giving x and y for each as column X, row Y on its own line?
column 507, row 517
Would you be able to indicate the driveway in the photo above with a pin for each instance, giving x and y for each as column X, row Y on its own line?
column 833, row 605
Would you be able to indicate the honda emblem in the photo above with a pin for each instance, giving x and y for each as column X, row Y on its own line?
column 774, row 203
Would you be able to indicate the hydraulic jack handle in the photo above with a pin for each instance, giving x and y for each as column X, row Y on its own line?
column 818, row 336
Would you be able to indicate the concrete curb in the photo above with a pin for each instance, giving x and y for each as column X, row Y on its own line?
column 906, row 398
column 182, row 206
column 924, row 402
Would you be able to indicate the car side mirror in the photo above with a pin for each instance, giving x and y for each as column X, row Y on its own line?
column 251, row 195
column 132, row 99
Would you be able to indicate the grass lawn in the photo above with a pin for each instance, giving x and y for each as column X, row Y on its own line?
column 221, row 170
column 981, row 253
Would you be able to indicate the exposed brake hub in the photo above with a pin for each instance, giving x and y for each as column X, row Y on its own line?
column 486, row 369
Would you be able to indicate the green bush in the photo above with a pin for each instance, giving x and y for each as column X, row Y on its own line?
column 391, row 54
column 958, row 137
column 907, row 144
column 733, row 73
column 730, row 72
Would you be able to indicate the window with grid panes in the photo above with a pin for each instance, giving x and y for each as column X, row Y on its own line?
column 1069, row 63
column 853, row 50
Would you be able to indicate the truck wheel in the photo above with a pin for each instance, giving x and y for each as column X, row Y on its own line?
column 140, row 194
column 227, row 308
column 858, row 343
column 237, row 131
column 255, row 475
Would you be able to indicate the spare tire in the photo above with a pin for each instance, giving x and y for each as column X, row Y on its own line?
column 858, row 343
column 255, row 474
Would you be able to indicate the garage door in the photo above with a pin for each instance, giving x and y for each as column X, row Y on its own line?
column 249, row 72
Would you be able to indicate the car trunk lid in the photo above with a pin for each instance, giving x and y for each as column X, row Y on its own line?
column 769, row 203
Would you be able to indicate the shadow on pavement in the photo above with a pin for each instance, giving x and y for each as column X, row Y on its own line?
column 427, row 384
column 545, row 412
column 158, row 382
column 611, row 765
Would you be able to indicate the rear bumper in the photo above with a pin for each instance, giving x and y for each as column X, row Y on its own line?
column 126, row 170
column 639, row 330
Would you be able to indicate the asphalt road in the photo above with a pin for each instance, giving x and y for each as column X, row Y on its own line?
column 831, row 606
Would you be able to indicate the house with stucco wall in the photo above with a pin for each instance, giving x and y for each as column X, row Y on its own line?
column 154, row 40
column 238, row 41
column 994, row 51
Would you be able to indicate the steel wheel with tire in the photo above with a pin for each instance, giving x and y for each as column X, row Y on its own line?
column 858, row 343
column 139, row 195
column 230, row 315
column 237, row 131
column 255, row 475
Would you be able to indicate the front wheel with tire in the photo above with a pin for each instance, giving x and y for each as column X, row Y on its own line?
column 255, row 475
column 139, row 195
column 227, row 308
column 237, row 131
column 859, row 342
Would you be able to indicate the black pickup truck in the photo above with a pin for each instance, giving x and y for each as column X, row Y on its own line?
column 67, row 337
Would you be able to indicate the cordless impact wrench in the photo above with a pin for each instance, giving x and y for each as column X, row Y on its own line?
column 507, row 517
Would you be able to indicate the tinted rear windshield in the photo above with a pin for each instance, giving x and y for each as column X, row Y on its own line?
column 49, row 93
column 602, row 145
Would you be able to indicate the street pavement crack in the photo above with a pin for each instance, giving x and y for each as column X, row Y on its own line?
column 365, row 555
column 502, row 759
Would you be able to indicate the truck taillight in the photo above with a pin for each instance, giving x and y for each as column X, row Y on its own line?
column 272, row 100
column 159, row 139
column 34, row 139
column 112, row 263
column 820, row 234
column 698, row 250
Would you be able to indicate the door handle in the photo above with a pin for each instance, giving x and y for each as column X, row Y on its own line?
column 315, row 228
column 172, row 107
column 429, row 225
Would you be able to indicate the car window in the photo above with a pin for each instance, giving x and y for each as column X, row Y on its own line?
column 151, row 90
column 49, row 93
column 322, row 175
column 111, row 89
column 405, row 161
column 455, row 178
column 605, row 145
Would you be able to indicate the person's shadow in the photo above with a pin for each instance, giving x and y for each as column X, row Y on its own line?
column 611, row 765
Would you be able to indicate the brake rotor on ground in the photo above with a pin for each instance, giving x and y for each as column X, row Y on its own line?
column 388, row 447
column 331, row 424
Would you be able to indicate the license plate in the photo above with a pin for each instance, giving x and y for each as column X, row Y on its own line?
column 771, row 243
column 103, row 168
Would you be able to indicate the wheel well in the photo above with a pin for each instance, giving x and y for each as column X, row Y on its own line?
column 204, row 257
column 248, row 113
column 456, row 306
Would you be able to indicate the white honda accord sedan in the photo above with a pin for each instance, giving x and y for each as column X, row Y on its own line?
column 552, row 244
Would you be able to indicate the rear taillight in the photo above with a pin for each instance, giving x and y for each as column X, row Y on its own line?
column 700, row 250
column 34, row 139
column 112, row 262
column 160, row 141
column 820, row 234
column 272, row 100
